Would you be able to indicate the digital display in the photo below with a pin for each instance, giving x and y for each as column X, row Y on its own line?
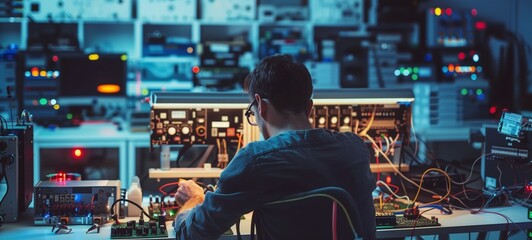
column 179, row 114
column 218, row 124
column 510, row 124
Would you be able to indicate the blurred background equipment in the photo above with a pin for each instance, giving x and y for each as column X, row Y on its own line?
column 16, row 178
column 65, row 88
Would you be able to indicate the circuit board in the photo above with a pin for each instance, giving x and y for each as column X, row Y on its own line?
column 386, row 220
column 134, row 229
column 390, row 206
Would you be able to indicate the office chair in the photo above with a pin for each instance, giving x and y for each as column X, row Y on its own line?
column 315, row 210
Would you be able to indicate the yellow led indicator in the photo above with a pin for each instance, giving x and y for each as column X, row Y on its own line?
column 437, row 11
column 43, row 73
column 94, row 57
column 56, row 107
column 108, row 88
column 123, row 57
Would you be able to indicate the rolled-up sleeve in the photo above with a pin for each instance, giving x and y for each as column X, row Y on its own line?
column 235, row 196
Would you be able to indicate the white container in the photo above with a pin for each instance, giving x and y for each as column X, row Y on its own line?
column 134, row 194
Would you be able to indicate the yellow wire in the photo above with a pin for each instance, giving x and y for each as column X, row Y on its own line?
column 219, row 147
column 239, row 142
column 365, row 131
column 380, row 202
column 225, row 146
column 395, row 168
column 421, row 183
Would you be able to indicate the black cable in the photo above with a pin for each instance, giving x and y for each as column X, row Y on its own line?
column 182, row 152
column 4, row 175
column 414, row 158
column 8, row 90
column 3, row 128
column 134, row 203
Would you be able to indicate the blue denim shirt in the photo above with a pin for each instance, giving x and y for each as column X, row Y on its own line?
column 291, row 162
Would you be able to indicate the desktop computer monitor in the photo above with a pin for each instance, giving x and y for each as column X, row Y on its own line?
column 56, row 85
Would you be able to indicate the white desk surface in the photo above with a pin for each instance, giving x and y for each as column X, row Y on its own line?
column 459, row 222
column 462, row 221
column 214, row 172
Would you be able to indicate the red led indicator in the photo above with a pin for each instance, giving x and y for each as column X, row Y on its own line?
column 461, row 56
column 388, row 179
column 493, row 109
column 55, row 58
column 448, row 11
column 474, row 11
column 480, row 25
column 195, row 69
column 60, row 177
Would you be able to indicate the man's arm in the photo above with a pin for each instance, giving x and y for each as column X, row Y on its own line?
column 188, row 195
column 208, row 216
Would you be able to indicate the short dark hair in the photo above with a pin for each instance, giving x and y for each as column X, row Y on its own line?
column 283, row 81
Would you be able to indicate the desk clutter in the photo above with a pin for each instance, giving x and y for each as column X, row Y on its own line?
column 411, row 199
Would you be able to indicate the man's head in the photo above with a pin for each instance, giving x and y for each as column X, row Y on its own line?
column 282, row 84
column 286, row 83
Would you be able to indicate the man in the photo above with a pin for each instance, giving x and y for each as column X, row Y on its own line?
column 293, row 158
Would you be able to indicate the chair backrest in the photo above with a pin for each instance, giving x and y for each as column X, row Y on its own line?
column 324, row 213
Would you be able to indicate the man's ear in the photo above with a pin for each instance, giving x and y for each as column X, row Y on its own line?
column 262, row 106
column 310, row 104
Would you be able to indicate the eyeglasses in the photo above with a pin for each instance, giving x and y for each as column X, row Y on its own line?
column 250, row 115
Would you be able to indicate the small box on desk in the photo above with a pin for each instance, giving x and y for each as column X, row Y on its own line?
column 75, row 202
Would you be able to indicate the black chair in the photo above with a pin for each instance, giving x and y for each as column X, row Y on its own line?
column 310, row 212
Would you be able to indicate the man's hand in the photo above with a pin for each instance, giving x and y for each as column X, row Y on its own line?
column 189, row 194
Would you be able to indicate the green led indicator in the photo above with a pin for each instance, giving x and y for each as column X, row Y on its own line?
column 416, row 70
column 529, row 234
column 414, row 77
column 145, row 92
column 530, row 213
column 479, row 91
column 409, row 69
column 43, row 101
column 463, row 91
column 69, row 116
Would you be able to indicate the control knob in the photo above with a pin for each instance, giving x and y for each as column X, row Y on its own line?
column 185, row 130
column 172, row 130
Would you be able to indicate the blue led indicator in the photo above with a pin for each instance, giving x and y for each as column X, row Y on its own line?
column 397, row 72
column 428, row 57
